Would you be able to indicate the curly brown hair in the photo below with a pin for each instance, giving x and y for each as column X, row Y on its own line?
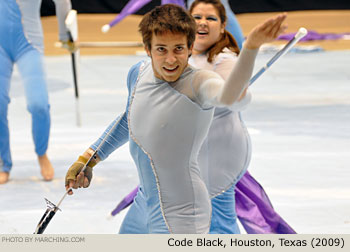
column 226, row 40
column 165, row 18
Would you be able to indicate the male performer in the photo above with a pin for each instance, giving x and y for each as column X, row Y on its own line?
column 168, row 113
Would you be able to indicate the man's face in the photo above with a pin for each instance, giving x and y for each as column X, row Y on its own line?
column 169, row 53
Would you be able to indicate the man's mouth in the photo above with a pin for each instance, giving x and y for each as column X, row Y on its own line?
column 170, row 69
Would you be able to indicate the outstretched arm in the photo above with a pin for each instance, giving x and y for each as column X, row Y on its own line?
column 213, row 91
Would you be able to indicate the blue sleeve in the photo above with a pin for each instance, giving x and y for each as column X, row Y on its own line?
column 118, row 130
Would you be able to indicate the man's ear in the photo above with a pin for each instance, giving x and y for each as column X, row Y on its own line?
column 190, row 50
column 148, row 51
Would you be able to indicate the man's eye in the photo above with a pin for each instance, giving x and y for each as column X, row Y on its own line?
column 160, row 49
column 179, row 48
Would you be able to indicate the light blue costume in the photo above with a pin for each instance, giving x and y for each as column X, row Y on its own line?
column 21, row 42
column 166, row 125
column 172, row 197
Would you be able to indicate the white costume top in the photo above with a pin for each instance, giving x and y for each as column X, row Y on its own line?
column 226, row 152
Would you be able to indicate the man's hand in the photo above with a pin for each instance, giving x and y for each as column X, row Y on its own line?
column 266, row 32
column 75, row 178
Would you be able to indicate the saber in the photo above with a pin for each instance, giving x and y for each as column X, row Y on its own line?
column 72, row 27
column 299, row 35
column 52, row 208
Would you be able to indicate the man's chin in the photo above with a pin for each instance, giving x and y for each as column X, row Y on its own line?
column 171, row 78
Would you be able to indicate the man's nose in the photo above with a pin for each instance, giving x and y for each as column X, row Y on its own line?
column 170, row 59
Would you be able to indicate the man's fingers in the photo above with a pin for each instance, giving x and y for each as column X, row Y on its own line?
column 80, row 180
column 70, row 192
column 86, row 182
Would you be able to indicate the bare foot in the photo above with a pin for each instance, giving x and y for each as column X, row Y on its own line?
column 4, row 177
column 47, row 170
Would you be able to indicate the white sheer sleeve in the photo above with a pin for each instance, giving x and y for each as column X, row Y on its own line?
column 223, row 65
column 212, row 90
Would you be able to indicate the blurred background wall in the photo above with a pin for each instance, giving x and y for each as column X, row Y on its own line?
column 243, row 6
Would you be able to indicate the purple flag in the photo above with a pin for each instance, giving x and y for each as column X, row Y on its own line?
column 134, row 5
column 255, row 210
column 128, row 199
column 131, row 7
column 313, row 35
column 178, row 2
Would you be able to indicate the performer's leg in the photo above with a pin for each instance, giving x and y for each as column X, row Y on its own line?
column 31, row 68
column 5, row 78
column 142, row 219
column 224, row 217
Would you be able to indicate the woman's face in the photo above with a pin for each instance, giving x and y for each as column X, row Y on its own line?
column 209, row 27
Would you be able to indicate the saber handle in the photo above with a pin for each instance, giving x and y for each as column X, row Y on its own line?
column 49, row 214
column 46, row 218
column 298, row 36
